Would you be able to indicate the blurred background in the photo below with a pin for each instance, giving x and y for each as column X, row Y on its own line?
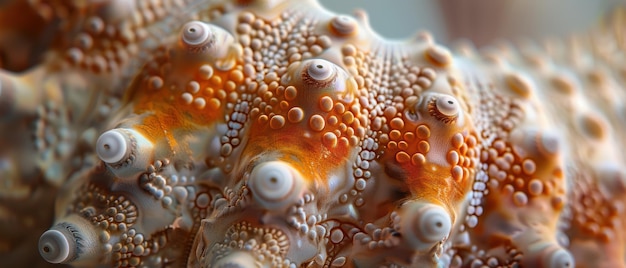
column 25, row 35
column 481, row 21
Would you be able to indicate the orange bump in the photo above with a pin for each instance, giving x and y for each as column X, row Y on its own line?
column 402, row 157
column 226, row 149
column 457, row 173
column 418, row 159
column 330, row 139
column 193, row 87
column 535, row 187
column 290, row 93
column 343, row 142
column 200, row 103
column 453, row 158
column 332, row 120
column 423, row 132
column 263, row 119
column 520, row 199
column 396, row 123
column 529, row 167
column 519, row 84
column 236, row 76
column 409, row 136
column 395, row 135
column 295, row 115
column 214, row 104
column 339, row 108
column 457, row 141
column 392, row 145
column 206, row 72
column 317, row 122
column 187, row 98
column 326, row 104
column 155, row 82
column 563, row 84
column 390, row 112
column 403, row 145
column 277, row 121
column 592, row 126
column 439, row 55
column 75, row 55
column 349, row 50
column 348, row 117
column 423, row 147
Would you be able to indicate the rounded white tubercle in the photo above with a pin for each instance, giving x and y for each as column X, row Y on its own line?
column 321, row 70
column 56, row 246
column 275, row 184
column 448, row 105
column 543, row 253
column 124, row 150
column 199, row 37
column 238, row 258
column 344, row 25
column 114, row 146
column 442, row 107
column 559, row 258
column 424, row 225
column 196, row 33
column 71, row 241
column 319, row 77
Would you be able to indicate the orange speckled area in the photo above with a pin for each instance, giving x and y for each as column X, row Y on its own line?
column 312, row 157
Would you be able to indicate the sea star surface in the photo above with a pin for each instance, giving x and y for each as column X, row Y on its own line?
column 275, row 133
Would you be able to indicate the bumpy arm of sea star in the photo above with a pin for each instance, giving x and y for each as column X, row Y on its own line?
column 52, row 110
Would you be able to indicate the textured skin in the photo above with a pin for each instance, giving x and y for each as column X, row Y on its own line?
column 278, row 134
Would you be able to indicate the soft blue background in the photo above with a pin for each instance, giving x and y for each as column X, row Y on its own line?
column 481, row 20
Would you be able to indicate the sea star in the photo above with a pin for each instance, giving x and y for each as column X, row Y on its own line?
column 274, row 133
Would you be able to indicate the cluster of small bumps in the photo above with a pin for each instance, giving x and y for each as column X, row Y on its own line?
column 274, row 133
